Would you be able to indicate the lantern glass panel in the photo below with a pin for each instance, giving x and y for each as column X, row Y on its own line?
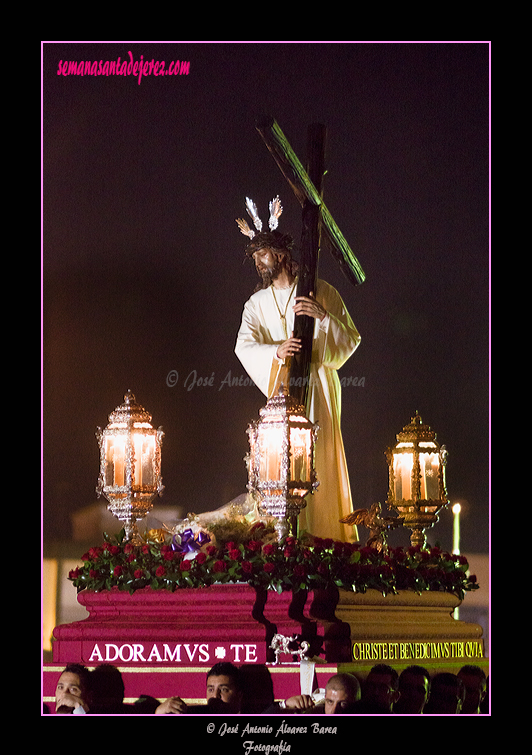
column 115, row 456
column 402, row 470
column 300, row 454
column 108, row 477
column 144, row 449
column 270, row 442
column 429, row 468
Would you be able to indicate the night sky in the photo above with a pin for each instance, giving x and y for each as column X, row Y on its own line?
column 144, row 274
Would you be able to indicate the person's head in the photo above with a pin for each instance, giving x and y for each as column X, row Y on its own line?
column 475, row 685
column 446, row 694
column 257, row 687
column 224, row 684
column 381, row 687
column 341, row 692
column 414, row 688
column 75, row 682
column 271, row 252
column 107, row 687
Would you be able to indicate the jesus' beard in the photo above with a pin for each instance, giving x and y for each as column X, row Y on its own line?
column 268, row 275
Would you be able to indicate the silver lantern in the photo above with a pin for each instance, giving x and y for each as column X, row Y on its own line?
column 130, row 464
column 281, row 460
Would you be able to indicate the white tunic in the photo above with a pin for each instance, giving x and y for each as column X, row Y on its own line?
column 335, row 339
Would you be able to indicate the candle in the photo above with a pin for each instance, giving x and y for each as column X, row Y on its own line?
column 456, row 528
column 403, row 464
column 271, row 444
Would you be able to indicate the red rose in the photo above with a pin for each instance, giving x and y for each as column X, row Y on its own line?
column 132, row 557
column 253, row 545
column 114, row 550
column 211, row 550
column 247, row 567
column 93, row 574
column 269, row 567
column 146, row 549
column 229, row 546
column 138, row 573
column 161, row 571
column 169, row 556
column 200, row 558
column 73, row 574
column 234, row 554
column 268, row 549
column 128, row 548
column 118, row 571
column 184, row 565
column 219, row 567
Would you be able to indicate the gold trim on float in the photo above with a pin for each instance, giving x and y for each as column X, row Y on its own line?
column 288, row 669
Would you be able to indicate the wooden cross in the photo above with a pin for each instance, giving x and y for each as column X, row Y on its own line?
column 317, row 221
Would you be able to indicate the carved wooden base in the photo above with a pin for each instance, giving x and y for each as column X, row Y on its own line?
column 164, row 642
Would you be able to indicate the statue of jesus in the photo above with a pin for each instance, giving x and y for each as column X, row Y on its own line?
column 264, row 345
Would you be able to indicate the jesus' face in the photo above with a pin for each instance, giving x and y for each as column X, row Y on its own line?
column 268, row 264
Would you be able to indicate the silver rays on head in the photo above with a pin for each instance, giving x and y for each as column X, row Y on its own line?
column 251, row 207
column 275, row 213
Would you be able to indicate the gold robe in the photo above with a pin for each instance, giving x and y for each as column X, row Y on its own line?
column 335, row 340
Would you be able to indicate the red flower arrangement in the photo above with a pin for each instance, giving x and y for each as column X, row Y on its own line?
column 293, row 564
